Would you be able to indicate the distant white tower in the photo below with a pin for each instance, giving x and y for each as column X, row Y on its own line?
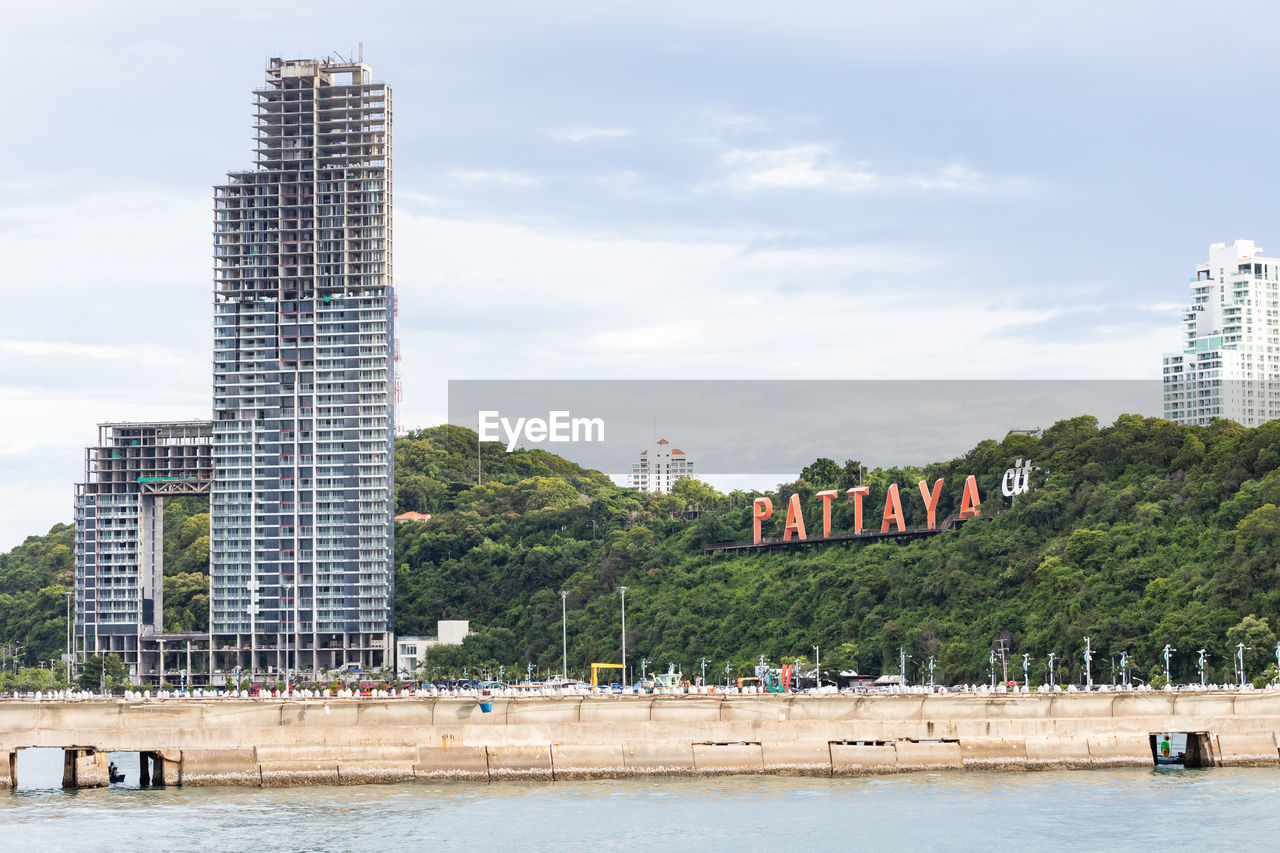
column 659, row 467
column 1229, row 364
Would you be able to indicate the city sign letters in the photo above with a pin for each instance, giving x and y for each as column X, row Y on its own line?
column 970, row 502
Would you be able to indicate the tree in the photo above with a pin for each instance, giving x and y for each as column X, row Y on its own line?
column 91, row 673
column 1259, row 641
column 822, row 473
column 32, row 679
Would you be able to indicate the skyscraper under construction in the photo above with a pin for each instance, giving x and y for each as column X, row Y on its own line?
column 303, row 377
column 298, row 458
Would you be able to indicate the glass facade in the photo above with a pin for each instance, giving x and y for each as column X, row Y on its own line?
column 304, row 378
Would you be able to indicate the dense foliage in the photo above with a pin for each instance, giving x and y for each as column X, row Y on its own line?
column 1138, row 534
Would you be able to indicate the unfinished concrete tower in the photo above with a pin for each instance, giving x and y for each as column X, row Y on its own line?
column 303, row 379
column 119, row 544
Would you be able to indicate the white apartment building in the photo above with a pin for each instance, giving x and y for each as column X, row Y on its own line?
column 410, row 650
column 1229, row 364
column 659, row 467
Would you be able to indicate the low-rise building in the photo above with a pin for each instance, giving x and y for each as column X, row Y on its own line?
column 410, row 651
column 659, row 467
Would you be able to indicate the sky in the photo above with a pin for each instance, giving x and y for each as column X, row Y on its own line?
column 711, row 190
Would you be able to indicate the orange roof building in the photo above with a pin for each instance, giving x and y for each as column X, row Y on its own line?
column 658, row 467
column 413, row 516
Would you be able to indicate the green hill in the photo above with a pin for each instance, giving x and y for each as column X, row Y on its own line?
column 1138, row 534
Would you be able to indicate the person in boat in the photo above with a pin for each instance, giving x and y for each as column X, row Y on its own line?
column 112, row 769
column 1164, row 745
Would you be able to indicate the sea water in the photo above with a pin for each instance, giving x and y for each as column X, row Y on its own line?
column 1130, row 809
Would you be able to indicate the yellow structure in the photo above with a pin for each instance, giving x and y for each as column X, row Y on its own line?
column 595, row 669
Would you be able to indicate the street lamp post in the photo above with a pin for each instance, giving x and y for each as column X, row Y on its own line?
column 623, row 591
column 1052, row 655
column 1026, row 671
column 1240, row 648
column 68, row 658
column 564, row 632
column 1200, row 664
column 288, row 600
column 1088, row 664
column 297, row 652
column 1168, row 650
column 1124, row 669
column 817, row 666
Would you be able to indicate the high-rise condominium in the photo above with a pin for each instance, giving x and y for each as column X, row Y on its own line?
column 1229, row 363
column 303, row 379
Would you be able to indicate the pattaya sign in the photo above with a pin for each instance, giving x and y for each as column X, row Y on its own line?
column 762, row 509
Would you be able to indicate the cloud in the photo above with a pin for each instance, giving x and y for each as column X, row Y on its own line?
column 795, row 167
column 728, row 303
column 583, row 133
column 494, row 178
column 145, row 354
column 958, row 177
column 736, row 122
column 816, row 167
column 1175, row 308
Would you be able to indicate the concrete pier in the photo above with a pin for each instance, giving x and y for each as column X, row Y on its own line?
column 84, row 768
column 276, row 742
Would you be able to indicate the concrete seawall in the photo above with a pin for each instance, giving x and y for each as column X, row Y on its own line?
column 270, row 742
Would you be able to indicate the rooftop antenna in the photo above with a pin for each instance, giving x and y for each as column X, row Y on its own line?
column 361, row 54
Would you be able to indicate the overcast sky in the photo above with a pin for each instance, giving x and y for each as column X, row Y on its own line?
column 639, row 190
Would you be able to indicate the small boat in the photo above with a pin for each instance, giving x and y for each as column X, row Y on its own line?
column 1180, row 759
column 116, row 776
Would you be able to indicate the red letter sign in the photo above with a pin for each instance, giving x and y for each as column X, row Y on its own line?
column 826, row 497
column 892, row 510
column 931, row 500
column 856, row 494
column 969, row 501
column 761, row 510
column 795, row 520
